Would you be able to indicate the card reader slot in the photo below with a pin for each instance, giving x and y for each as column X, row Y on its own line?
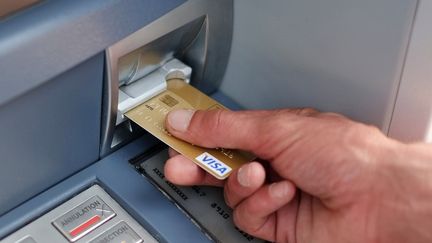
column 197, row 33
column 149, row 86
column 150, row 57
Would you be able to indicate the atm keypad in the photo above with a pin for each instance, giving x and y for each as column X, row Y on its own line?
column 120, row 232
column 27, row 239
column 91, row 216
column 84, row 218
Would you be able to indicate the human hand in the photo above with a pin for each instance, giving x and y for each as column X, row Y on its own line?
column 353, row 182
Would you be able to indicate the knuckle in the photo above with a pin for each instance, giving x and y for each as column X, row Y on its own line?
column 205, row 123
column 307, row 111
column 258, row 206
column 359, row 136
column 218, row 119
column 274, row 132
column 337, row 118
column 227, row 197
column 223, row 119
column 356, row 130
column 333, row 114
column 271, row 126
column 211, row 121
column 242, row 219
column 239, row 220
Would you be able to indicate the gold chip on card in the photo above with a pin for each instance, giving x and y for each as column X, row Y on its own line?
column 151, row 116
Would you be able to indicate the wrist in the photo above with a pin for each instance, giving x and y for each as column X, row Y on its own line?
column 405, row 193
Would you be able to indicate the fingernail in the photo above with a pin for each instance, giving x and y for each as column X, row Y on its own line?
column 279, row 189
column 179, row 120
column 243, row 175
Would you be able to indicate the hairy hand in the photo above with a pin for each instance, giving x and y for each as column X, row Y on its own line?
column 328, row 179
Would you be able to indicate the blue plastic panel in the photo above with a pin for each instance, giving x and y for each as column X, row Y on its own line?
column 50, row 132
column 51, row 87
column 41, row 42
column 133, row 191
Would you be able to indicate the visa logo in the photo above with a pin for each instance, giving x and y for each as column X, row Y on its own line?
column 213, row 164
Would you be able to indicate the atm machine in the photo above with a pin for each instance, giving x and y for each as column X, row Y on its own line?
column 74, row 169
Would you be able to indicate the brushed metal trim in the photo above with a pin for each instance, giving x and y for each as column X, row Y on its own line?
column 208, row 65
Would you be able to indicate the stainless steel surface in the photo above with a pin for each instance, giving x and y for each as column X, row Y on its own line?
column 135, row 93
column 92, row 209
column 150, row 47
column 145, row 59
column 120, row 232
column 42, row 229
column 27, row 239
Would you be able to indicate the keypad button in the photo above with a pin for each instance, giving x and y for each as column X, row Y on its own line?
column 120, row 232
column 83, row 218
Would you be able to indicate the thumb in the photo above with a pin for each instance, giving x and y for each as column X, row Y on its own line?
column 247, row 130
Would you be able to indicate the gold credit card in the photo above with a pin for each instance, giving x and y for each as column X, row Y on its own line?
column 179, row 95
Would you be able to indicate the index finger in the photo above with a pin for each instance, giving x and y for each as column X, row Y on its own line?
column 246, row 130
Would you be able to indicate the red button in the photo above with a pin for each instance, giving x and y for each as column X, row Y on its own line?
column 87, row 224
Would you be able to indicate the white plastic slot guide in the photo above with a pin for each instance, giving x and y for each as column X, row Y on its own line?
column 134, row 94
